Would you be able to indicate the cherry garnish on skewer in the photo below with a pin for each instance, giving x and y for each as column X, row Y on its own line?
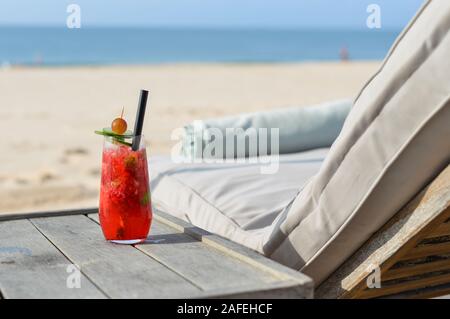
column 119, row 125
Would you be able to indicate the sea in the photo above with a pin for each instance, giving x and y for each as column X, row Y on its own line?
column 51, row 46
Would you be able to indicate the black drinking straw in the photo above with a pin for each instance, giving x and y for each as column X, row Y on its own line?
column 139, row 123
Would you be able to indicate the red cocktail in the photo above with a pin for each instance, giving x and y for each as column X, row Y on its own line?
column 125, row 206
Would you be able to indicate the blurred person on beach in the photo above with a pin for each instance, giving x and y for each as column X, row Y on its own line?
column 344, row 54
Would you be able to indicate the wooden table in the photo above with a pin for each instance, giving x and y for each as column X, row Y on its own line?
column 64, row 255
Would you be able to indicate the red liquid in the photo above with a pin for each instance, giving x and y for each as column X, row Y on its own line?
column 125, row 207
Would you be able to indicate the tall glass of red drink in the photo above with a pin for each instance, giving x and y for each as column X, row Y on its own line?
column 125, row 203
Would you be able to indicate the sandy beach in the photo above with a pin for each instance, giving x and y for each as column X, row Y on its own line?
column 51, row 157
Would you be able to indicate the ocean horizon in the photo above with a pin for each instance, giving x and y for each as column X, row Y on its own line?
column 53, row 46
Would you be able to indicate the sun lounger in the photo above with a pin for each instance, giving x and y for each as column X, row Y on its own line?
column 394, row 141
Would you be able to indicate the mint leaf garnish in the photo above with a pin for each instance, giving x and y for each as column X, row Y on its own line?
column 108, row 132
column 119, row 138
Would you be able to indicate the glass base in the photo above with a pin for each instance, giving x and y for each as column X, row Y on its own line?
column 128, row 241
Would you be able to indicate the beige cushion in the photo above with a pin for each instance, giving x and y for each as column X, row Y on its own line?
column 230, row 198
column 395, row 139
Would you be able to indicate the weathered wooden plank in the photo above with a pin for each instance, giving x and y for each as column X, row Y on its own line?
column 427, row 250
column 237, row 278
column 414, row 270
column 120, row 270
column 208, row 268
column 25, row 215
column 230, row 248
column 290, row 284
column 406, row 286
column 304, row 285
column 235, row 250
column 278, row 290
column 441, row 230
column 31, row 267
column 424, row 293
column 404, row 231
column 429, row 294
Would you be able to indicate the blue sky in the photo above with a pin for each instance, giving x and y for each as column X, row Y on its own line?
column 348, row 14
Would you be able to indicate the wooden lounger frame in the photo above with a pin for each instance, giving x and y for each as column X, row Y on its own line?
column 412, row 252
